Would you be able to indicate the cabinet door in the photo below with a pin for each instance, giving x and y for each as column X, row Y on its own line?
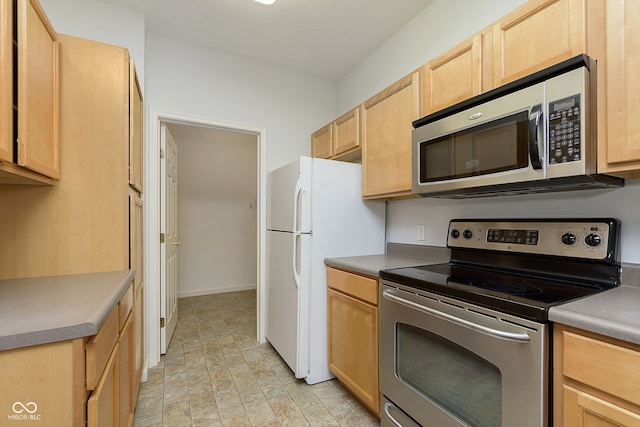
column 138, row 346
column 353, row 346
column 346, row 132
column 136, row 262
column 386, row 139
column 136, row 236
column 584, row 410
column 535, row 36
column 6, row 81
column 321, row 142
column 453, row 76
column 126, row 374
column 38, row 138
column 47, row 375
column 136, row 150
column 102, row 406
column 621, row 152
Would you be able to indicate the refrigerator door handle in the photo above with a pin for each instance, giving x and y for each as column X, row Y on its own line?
column 296, row 193
column 296, row 273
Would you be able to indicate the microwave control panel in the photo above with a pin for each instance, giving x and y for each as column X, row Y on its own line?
column 564, row 130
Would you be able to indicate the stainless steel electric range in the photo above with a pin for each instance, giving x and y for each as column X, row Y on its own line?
column 467, row 343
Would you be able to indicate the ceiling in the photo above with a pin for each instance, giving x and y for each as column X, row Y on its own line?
column 321, row 38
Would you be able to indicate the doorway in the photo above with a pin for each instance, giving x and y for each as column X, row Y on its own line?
column 192, row 124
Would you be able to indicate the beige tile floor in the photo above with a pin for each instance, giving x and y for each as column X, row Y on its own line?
column 215, row 373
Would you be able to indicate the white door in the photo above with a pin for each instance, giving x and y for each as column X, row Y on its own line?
column 168, row 249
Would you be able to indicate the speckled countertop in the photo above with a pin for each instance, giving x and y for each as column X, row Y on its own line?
column 41, row 310
column 614, row 313
column 397, row 256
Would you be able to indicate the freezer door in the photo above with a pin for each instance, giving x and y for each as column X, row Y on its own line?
column 287, row 286
column 289, row 197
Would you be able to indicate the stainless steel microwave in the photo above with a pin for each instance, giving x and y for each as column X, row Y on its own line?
column 534, row 135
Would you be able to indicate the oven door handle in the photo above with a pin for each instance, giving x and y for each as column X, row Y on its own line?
column 387, row 412
column 496, row 333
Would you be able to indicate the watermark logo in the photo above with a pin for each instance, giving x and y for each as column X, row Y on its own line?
column 19, row 407
column 24, row 412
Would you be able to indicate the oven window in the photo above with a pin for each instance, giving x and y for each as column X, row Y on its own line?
column 497, row 146
column 457, row 380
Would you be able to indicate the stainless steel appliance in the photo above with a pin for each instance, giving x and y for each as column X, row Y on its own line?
column 533, row 135
column 467, row 343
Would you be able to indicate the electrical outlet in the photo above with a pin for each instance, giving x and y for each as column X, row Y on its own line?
column 421, row 233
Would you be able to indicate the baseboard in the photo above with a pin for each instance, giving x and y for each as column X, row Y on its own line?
column 199, row 292
column 143, row 377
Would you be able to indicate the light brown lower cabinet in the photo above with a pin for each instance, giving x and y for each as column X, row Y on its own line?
column 112, row 402
column 87, row 381
column 126, row 373
column 102, row 406
column 596, row 380
column 353, row 334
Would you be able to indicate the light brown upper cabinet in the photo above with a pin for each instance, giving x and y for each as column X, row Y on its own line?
column 29, row 149
column 6, row 81
column 452, row 77
column 135, row 130
column 535, row 36
column 346, row 133
column 619, row 90
column 81, row 224
column 386, row 139
column 340, row 139
column 321, row 142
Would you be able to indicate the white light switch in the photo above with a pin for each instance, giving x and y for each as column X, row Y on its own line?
column 421, row 233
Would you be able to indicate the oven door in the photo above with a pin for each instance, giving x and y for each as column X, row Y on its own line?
column 446, row 363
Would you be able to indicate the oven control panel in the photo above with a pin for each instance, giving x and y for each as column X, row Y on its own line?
column 583, row 238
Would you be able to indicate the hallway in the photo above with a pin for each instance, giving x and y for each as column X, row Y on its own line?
column 216, row 374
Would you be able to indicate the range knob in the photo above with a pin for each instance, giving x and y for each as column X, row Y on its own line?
column 568, row 238
column 467, row 234
column 455, row 233
column 593, row 240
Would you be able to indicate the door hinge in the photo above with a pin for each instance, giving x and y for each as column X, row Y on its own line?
column 162, row 322
column 161, row 237
column 162, row 153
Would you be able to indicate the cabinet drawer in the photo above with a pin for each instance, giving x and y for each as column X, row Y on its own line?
column 99, row 348
column 364, row 288
column 124, row 306
column 603, row 365
column 102, row 406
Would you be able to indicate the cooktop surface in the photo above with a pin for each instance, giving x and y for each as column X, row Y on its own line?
column 521, row 295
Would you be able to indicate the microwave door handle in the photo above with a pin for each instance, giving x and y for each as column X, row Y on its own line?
column 535, row 122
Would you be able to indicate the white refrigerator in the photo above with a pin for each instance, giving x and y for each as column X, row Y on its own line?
column 315, row 211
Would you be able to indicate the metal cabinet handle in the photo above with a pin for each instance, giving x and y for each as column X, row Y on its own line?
column 176, row 243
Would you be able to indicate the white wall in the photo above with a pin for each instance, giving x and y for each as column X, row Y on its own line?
column 622, row 203
column 437, row 28
column 217, row 214
column 200, row 82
